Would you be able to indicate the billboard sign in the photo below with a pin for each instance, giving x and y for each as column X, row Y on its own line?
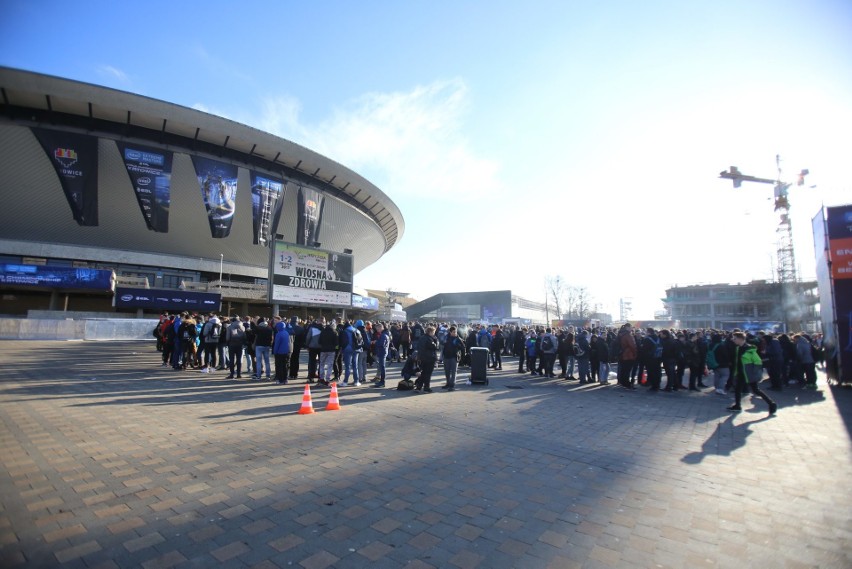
column 56, row 277
column 167, row 299
column 304, row 275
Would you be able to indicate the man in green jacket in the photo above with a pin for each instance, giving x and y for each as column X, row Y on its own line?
column 748, row 369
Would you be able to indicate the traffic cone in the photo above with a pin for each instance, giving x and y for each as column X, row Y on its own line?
column 333, row 403
column 307, row 406
column 644, row 379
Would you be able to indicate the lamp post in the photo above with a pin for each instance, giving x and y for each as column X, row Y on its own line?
column 221, row 262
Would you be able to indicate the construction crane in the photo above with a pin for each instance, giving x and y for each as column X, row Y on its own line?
column 786, row 254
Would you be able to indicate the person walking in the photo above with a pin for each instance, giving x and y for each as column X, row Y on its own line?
column 748, row 370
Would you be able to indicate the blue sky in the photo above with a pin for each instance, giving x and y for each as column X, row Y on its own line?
column 520, row 140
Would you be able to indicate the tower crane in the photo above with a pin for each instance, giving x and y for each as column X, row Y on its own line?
column 786, row 254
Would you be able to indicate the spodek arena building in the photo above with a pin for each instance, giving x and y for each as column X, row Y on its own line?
column 113, row 201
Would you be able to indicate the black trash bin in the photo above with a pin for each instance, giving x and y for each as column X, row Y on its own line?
column 479, row 365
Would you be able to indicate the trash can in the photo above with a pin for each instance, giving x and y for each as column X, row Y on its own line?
column 479, row 365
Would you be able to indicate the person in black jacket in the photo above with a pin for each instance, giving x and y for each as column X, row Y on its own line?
column 427, row 355
column 453, row 349
column 497, row 345
column 670, row 355
column 297, row 333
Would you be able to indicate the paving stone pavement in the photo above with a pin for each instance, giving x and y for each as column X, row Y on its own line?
column 109, row 460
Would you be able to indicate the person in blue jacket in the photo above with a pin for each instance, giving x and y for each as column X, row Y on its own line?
column 281, row 351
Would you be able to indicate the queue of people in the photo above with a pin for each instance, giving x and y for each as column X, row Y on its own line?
column 342, row 351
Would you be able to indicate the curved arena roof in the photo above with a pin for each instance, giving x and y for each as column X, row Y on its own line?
column 36, row 220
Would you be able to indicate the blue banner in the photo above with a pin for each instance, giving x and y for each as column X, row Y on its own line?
column 365, row 302
column 150, row 172
column 56, row 277
column 167, row 299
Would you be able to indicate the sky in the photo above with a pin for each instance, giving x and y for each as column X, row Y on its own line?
column 521, row 141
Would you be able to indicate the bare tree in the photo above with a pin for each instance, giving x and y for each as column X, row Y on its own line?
column 555, row 289
column 571, row 302
column 584, row 303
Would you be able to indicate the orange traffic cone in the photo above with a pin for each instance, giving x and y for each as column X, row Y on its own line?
column 307, row 406
column 333, row 403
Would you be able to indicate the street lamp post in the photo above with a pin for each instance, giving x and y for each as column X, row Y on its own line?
column 221, row 263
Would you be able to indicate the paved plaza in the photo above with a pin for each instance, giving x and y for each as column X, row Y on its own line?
column 109, row 460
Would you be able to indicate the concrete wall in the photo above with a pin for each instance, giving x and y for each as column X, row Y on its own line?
column 91, row 329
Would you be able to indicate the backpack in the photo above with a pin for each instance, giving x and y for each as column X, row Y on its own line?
column 237, row 334
column 658, row 347
column 578, row 351
column 405, row 385
column 710, row 360
column 213, row 332
column 405, row 335
column 359, row 339
column 156, row 332
column 546, row 344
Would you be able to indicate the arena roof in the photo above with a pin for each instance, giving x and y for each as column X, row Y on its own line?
column 30, row 98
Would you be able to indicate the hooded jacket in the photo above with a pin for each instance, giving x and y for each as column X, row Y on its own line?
column 281, row 344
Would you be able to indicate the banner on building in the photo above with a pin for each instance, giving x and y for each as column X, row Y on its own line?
column 218, row 182
column 75, row 159
column 167, row 299
column 839, row 224
column 150, row 172
column 62, row 278
column 266, row 201
column 310, row 205
column 302, row 275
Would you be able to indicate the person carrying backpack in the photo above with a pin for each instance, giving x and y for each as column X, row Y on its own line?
column 210, row 340
column 236, row 338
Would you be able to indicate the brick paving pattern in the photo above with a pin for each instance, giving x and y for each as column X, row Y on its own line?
column 109, row 460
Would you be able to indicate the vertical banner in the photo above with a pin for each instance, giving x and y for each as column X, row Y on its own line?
column 839, row 223
column 310, row 205
column 150, row 172
column 75, row 159
column 218, row 182
column 266, row 194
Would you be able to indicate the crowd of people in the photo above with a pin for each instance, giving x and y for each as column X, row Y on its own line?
column 342, row 351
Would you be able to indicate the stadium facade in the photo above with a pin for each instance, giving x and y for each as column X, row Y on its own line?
column 164, row 196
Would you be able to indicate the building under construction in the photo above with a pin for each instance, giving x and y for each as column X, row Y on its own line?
column 758, row 305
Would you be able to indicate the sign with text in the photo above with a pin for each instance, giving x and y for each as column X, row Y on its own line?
column 75, row 159
column 304, row 275
column 150, row 171
column 167, row 299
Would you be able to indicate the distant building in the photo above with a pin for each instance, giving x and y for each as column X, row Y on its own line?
column 757, row 306
column 494, row 307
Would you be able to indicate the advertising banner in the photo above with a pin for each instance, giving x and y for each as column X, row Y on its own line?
column 150, row 172
column 75, row 159
column 839, row 222
column 218, row 182
column 365, row 302
column 266, row 202
column 302, row 275
column 310, row 204
column 167, row 299
column 56, row 277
